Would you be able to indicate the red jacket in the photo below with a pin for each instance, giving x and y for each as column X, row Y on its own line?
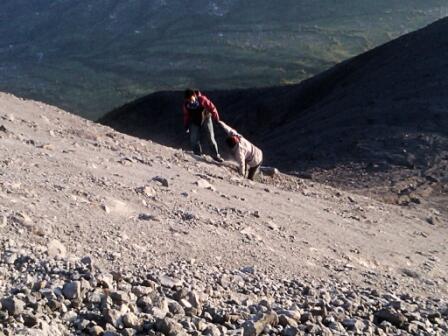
column 208, row 106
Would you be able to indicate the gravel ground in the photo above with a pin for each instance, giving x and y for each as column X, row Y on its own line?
column 106, row 233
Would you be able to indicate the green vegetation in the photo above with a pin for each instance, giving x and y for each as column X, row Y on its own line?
column 90, row 56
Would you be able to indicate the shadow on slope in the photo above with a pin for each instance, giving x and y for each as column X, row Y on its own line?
column 376, row 120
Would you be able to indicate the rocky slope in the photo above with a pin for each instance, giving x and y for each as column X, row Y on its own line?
column 376, row 123
column 89, row 56
column 104, row 233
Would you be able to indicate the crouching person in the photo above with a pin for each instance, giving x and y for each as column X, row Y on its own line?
column 248, row 156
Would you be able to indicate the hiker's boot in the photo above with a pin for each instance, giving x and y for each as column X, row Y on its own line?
column 218, row 158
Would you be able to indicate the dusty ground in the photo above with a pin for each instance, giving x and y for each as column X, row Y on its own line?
column 65, row 178
column 375, row 124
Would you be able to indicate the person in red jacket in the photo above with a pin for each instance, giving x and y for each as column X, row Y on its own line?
column 199, row 114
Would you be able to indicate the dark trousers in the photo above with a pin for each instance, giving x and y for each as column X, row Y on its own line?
column 252, row 171
column 195, row 137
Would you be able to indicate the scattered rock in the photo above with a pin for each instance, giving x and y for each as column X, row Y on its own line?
column 3, row 221
column 72, row 290
column 30, row 320
column 56, row 249
column 87, row 260
column 163, row 181
column 354, row 325
column 147, row 217
column 130, row 320
column 410, row 273
column 257, row 326
column 170, row 282
column 204, row 184
column 390, row 315
column 13, row 305
column 96, row 331
column 23, row 219
column 269, row 171
column 432, row 220
column 106, row 280
column 146, row 190
column 170, row 327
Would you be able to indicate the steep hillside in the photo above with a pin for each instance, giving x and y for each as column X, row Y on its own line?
column 103, row 233
column 377, row 122
column 91, row 56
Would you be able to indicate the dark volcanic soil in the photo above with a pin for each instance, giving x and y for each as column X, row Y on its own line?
column 377, row 123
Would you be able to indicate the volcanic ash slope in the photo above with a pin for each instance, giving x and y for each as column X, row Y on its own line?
column 100, row 231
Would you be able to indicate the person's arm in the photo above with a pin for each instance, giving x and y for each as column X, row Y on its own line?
column 210, row 107
column 241, row 160
column 186, row 117
column 229, row 130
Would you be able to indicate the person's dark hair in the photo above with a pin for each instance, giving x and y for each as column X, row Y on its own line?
column 188, row 93
column 232, row 141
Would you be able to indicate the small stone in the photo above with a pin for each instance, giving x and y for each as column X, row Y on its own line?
column 161, row 303
column 273, row 226
column 105, row 208
column 169, row 282
column 248, row 269
column 111, row 333
column 54, row 305
column 269, row 171
column 23, row 219
column 185, row 303
column 56, row 249
column 353, row 325
column 96, row 330
column 158, row 313
column 170, row 327
column 413, row 328
column 188, row 216
column 176, row 308
column 3, row 222
column 204, row 184
column 432, row 220
column 285, row 321
column 292, row 331
column 13, row 305
column 390, row 315
column 410, row 273
column 212, row 330
column 147, row 217
column 146, row 190
column 9, row 258
column 72, row 290
column 29, row 320
column 257, row 326
column 140, row 291
column 145, row 303
column 130, row 320
column 106, row 280
column 128, row 332
column 88, row 261
column 70, row 316
column 112, row 316
column 120, row 297
column 163, row 181
column 194, row 300
column 225, row 280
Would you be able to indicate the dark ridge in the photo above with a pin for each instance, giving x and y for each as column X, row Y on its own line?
column 362, row 110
